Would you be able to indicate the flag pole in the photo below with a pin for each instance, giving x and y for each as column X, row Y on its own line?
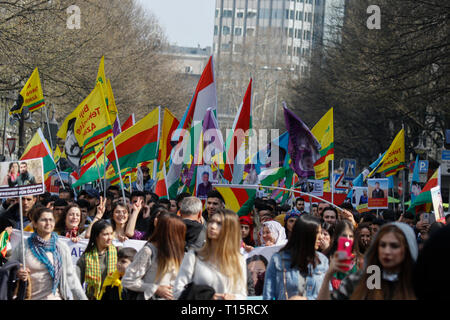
column 118, row 167
column 21, row 230
column 332, row 180
column 48, row 128
column 98, row 170
column 403, row 180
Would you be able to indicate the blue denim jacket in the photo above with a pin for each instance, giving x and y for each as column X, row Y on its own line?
column 274, row 284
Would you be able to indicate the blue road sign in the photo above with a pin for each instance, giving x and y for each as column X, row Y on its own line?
column 423, row 166
column 445, row 154
column 349, row 168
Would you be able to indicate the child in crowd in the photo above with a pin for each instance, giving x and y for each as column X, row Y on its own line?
column 112, row 286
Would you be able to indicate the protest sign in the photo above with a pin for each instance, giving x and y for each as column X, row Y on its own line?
column 437, row 204
column 257, row 261
column 378, row 193
column 21, row 178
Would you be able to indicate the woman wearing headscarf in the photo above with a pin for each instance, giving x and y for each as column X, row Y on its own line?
column 272, row 234
column 48, row 262
column 247, row 233
column 289, row 220
column 393, row 253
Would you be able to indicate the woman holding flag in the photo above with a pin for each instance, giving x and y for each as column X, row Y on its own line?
column 48, row 262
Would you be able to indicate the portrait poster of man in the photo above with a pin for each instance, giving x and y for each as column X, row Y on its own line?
column 205, row 180
column 378, row 193
column 29, row 180
column 313, row 187
column 257, row 262
column 55, row 181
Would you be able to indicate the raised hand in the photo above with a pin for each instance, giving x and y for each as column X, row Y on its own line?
column 101, row 208
column 137, row 206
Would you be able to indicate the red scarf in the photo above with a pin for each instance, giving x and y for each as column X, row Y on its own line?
column 72, row 233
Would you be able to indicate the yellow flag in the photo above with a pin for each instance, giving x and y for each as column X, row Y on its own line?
column 111, row 102
column 92, row 125
column 107, row 91
column 324, row 133
column 394, row 159
column 101, row 72
column 57, row 154
column 31, row 95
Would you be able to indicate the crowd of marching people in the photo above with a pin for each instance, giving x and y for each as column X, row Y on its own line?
column 198, row 250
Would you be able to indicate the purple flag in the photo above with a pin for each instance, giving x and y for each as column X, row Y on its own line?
column 212, row 142
column 116, row 128
column 303, row 146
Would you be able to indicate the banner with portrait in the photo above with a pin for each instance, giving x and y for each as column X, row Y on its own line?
column 21, row 178
column 378, row 193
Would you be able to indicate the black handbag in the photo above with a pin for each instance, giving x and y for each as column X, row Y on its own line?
column 193, row 291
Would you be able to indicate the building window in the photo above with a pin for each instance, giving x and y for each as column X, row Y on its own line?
column 287, row 14
column 216, row 30
column 291, row 32
column 238, row 31
column 292, row 15
column 250, row 32
column 237, row 48
column 227, row 13
column 299, row 15
column 226, row 30
column 309, row 16
column 251, row 14
column 225, row 47
column 307, row 35
column 217, row 13
column 240, row 14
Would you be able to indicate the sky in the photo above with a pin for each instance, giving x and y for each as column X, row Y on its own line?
column 186, row 23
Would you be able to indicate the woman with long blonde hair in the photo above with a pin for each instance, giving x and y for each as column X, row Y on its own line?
column 219, row 264
column 153, row 271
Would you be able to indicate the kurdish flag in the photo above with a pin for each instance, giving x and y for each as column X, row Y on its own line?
column 161, row 186
column 92, row 124
column 31, row 95
column 137, row 144
column 131, row 121
column 169, row 125
column 424, row 201
column 394, row 159
column 235, row 156
column 205, row 97
column 324, row 133
column 39, row 148
column 238, row 200
column 93, row 169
